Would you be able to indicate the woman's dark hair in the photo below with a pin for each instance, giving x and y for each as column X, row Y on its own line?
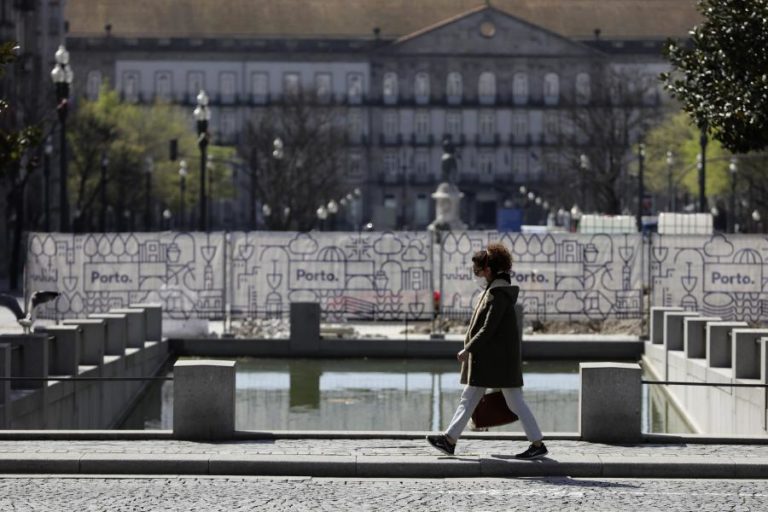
column 495, row 256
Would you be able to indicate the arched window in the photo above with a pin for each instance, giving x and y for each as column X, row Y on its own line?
column 583, row 89
column 520, row 88
column 93, row 85
column 421, row 88
column 551, row 89
column 486, row 88
column 389, row 88
column 454, row 88
column 163, row 86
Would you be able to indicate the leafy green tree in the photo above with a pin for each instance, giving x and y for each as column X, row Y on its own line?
column 721, row 76
column 678, row 137
column 18, row 163
column 134, row 139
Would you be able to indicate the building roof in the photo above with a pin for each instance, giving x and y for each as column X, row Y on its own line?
column 616, row 19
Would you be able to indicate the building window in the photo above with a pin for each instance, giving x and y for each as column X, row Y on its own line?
column 227, row 87
column 519, row 126
column 131, row 86
column 486, row 161
column 421, row 212
column 421, row 122
column 519, row 163
column 323, row 87
column 390, row 89
column 421, row 164
column 93, row 85
column 195, row 84
column 163, row 86
column 520, row 88
column 551, row 89
column 355, row 125
column 259, row 87
column 486, row 88
column 227, row 127
column 390, row 163
column 454, row 88
column 391, row 123
column 487, row 123
column 390, row 201
column 291, row 85
column 583, row 89
column 355, row 166
column 355, row 88
column 551, row 126
column 421, row 88
column 453, row 125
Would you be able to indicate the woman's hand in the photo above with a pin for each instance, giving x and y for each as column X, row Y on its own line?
column 462, row 356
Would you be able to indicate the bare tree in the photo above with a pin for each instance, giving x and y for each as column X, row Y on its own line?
column 598, row 135
column 303, row 174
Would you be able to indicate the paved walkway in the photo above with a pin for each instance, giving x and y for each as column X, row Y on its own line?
column 399, row 458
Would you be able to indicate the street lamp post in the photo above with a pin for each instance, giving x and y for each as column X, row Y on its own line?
column 640, row 185
column 47, row 185
column 149, row 168
column 733, row 168
column 266, row 210
column 211, row 215
column 333, row 209
column 62, row 79
column 405, row 198
column 322, row 214
column 103, row 193
column 703, row 140
column 182, row 190
column 671, row 206
column 202, row 115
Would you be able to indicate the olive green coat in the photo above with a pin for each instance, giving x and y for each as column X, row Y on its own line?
column 493, row 340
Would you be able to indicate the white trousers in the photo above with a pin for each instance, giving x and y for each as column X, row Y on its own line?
column 471, row 396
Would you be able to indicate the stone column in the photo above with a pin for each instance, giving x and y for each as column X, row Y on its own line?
column 610, row 402
column 203, row 399
column 305, row 328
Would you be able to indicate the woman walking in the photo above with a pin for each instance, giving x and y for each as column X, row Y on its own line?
column 492, row 355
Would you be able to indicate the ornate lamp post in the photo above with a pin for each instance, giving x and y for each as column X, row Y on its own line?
column 322, row 214
column 202, row 115
column 103, row 193
column 333, row 209
column 62, row 77
column 733, row 169
column 703, row 140
column 47, row 185
column 148, row 169
column 671, row 206
column 640, row 185
column 266, row 210
column 182, row 189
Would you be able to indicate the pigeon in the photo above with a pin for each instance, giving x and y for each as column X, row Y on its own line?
column 27, row 318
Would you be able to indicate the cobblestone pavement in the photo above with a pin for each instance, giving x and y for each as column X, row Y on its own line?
column 211, row 494
column 378, row 447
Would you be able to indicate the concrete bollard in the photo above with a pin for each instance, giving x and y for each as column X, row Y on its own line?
column 203, row 399
column 136, row 327
column 305, row 328
column 5, row 386
column 719, row 343
column 94, row 339
column 117, row 332
column 695, row 335
column 657, row 323
column 673, row 328
column 65, row 348
column 28, row 359
column 610, row 402
column 154, row 319
column 745, row 346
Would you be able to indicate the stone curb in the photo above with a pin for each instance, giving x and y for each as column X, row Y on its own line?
column 345, row 466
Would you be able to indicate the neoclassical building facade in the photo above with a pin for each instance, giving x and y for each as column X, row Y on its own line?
column 498, row 79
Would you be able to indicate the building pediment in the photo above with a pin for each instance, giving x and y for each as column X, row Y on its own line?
column 488, row 31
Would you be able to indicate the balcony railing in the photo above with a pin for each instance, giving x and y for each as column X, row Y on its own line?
column 487, row 139
column 422, row 139
column 390, row 139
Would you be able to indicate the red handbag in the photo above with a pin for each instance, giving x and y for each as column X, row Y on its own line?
column 492, row 411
